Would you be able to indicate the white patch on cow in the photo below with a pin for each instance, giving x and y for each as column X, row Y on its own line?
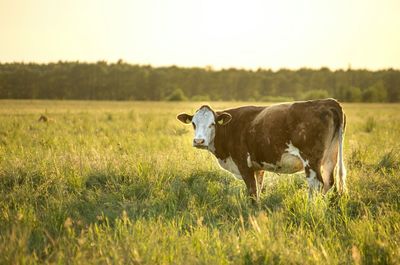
column 204, row 122
column 290, row 162
column 313, row 183
column 249, row 163
column 229, row 165
column 296, row 152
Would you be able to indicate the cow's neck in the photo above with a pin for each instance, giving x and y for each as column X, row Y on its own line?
column 219, row 147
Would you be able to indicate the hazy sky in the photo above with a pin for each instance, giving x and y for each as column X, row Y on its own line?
column 244, row 34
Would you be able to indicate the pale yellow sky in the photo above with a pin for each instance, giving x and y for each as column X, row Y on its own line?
column 221, row 33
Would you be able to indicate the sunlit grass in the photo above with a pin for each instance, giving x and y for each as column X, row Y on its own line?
column 118, row 183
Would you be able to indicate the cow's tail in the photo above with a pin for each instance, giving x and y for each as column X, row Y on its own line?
column 340, row 178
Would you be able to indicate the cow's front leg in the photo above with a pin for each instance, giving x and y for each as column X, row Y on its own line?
column 250, row 179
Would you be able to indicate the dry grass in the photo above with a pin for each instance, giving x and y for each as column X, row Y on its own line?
column 118, row 183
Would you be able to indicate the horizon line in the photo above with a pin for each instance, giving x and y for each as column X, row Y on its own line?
column 208, row 67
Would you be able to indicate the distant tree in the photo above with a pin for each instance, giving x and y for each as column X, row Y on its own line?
column 177, row 95
column 276, row 99
column 352, row 94
column 375, row 93
column 122, row 81
column 391, row 80
column 315, row 94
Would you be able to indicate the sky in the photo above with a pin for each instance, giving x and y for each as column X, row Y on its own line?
column 247, row 34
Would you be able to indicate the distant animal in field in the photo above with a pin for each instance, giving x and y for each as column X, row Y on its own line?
column 282, row 138
column 43, row 118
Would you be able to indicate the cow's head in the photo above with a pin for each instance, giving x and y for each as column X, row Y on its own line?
column 205, row 123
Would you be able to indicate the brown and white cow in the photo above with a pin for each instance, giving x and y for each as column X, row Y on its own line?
column 282, row 138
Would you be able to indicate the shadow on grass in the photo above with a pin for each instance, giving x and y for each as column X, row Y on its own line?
column 213, row 196
column 208, row 195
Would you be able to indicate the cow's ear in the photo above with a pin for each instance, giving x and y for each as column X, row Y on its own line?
column 185, row 118
column 223, row 118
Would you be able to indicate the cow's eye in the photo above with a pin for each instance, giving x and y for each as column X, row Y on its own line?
column 211, row 125
column 194, row 125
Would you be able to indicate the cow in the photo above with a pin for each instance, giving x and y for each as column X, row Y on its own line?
column 282, row 138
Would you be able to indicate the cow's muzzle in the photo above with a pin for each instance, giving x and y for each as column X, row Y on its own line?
column 199, row 143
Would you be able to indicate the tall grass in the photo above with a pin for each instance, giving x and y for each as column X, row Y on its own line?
column 118, row 183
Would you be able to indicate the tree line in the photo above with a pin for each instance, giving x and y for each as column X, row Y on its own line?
column 123, row 81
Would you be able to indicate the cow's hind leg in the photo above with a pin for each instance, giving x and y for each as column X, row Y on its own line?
column 314, row 179
column 328, row 165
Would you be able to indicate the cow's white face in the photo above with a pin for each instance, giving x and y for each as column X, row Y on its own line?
column 205, row 122
column 204, row 128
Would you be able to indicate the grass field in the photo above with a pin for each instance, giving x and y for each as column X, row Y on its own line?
column 119, row 183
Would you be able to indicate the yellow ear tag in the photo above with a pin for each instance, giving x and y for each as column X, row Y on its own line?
column 221, row 121
column 187, row 121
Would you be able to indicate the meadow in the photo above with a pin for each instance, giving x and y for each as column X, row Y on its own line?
column 119, row 183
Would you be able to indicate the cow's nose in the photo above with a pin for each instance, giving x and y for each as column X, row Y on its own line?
column 198, row 141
